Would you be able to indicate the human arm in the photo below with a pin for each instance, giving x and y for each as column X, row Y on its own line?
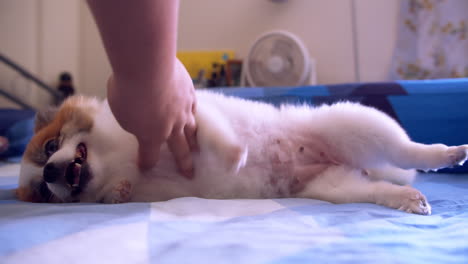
column 150, row 93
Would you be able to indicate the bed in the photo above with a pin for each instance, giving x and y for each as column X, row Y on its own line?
column 194, row 230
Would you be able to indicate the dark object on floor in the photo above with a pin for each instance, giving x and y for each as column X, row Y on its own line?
column 65, row 86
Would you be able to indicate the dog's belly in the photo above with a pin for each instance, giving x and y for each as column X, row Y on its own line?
column 268, row 172
column 277, row 167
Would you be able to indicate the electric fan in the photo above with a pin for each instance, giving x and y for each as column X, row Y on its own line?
column 278, row 58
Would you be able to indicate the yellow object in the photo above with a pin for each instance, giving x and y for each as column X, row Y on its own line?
column 195, row 61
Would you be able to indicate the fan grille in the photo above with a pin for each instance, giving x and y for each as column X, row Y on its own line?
column 277, row 59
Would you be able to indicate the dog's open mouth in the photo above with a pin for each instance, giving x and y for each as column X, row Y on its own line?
column 76, row 175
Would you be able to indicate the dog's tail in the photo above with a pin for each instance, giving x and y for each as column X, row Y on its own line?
column 392, row 174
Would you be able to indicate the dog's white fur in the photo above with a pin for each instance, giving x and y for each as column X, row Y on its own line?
column 342, row 153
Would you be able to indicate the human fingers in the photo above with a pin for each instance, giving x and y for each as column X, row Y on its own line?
column 190, row 131
column 148, row 155
column 191, row 136
column 180, row 148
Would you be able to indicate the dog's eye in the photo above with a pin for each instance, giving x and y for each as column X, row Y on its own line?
column 51, row 147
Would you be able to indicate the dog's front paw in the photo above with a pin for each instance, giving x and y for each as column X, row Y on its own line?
column 121, row 192
column 413, row 201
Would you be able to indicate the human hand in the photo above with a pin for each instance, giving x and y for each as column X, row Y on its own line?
column 157, row 116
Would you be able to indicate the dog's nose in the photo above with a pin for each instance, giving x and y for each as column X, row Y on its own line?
column 52, row 172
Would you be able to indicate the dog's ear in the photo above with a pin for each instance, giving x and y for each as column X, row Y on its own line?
column 44, row 117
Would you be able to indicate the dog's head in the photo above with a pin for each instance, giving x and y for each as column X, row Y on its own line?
column 55, row 165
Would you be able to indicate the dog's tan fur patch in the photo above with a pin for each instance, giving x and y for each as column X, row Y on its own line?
column 28, row 194
column 71, row 116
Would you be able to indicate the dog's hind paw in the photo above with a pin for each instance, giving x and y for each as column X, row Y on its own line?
column 457, row 155
column 413, row 201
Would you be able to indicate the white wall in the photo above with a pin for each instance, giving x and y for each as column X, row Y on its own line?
column 50, row 36
column 94, row 66
column 59, row 39
column 376, row 37
column 18, row 28
column 323, row 25
column 42, row 36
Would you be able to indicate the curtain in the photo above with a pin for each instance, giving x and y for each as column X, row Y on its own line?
column 432, row 40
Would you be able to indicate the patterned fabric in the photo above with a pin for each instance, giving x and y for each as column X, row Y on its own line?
column 193, row 230
column 432, row 41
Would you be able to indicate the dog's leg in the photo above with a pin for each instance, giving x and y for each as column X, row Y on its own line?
column 427, row 157
column 364, row 137
column 120, row 193
column 215, row 134
column 341, row 184
column 392, row 174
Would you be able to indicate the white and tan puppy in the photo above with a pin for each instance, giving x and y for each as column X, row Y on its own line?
column 343, row 153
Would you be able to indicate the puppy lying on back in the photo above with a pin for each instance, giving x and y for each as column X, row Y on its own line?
column 343, row 153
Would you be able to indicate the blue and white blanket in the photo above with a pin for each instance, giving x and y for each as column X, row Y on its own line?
column 193, row 230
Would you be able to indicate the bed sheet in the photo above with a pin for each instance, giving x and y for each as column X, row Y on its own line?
column 194, row 230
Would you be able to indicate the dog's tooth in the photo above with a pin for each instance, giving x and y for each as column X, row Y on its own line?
column 77, row 182
column 77, row 175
